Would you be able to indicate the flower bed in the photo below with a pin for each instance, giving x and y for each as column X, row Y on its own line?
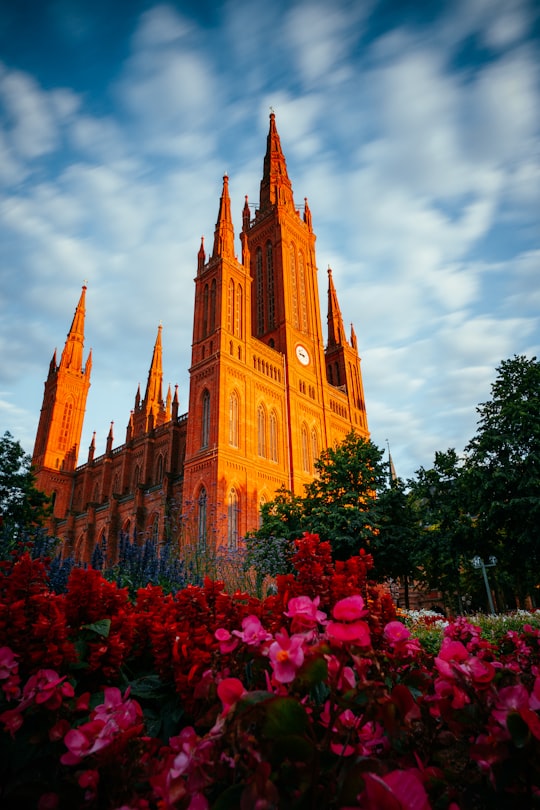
column 316, row 697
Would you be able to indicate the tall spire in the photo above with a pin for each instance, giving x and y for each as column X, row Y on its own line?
column 336, row 332
column 153, row 398
column 275, row 184
column 72, row 356
column 224, row 233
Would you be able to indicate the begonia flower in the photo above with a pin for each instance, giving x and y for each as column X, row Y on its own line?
column 349, row 609
column 252, row 633
column 226, row 642
column 8, row 663
column 353, row 633
column 230, row 690
column 286, row 656
column 304, row 613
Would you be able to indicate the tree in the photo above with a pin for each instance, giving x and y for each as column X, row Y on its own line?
column 504, row 462
column 443, row 548
column 339, row 504
column 22, row 506
column 394, row 545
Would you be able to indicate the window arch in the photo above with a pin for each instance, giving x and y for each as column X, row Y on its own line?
column 202, row 517
column 270, row 285
column 154, row 529
column 116, row 485
column 205, row 311
column 314, row 447
column 259, row 287
column 262, row 502
column 273, row 436
column 205, row 435
column 261, row 431
column 294, row 283
column 159, row 469
column 136, row 477
column 233, row 419
column 66, row 425
column 232, row 519
column 238, row 323
column 302, row 291
column 306, row 466
column 230, row 306
column 213, row 306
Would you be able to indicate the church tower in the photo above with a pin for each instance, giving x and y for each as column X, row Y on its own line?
column 61, row 421
column 262, row 406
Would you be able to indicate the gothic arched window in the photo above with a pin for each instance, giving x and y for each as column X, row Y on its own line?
column 205, row 435
column 273, row 435
column 230, row 306
column 305, row 450
column 302, row 291
column 233, row 419
column 270, row 285
column 259, row 288
column 201, row 521
column 314, row 447
column 213, row 306
column 238, row 325
column 261, row 431
column 232, row 519
column 205, row 311
column 294, row 284
column 159, row 469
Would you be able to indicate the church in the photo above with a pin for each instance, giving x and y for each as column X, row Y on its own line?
column 266, row 393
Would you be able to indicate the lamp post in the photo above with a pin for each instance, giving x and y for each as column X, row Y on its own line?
column 479, row 563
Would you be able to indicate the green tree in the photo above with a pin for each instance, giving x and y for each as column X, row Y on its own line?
column 504, row 462
column 394, row 546
column 443, row 547
column 22, row 506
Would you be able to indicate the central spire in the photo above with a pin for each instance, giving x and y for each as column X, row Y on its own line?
column 276, row 187
column 72, row 356
column 224, row 233
column 153, row 398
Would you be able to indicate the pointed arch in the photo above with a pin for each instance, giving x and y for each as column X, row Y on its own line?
column 202, row 507
column 232, row 518
column 205, row 311
column 205, row 424
column 233, row 418
column 230, row 306
column 159, row 469
column 136, row 476
column 213, row 306
column 238, row 321
column 261, row 430
column 306, row 465
column 270, row 286
column 273, row 436
column 302, row 292
column 314, row 447
column 294, row 284
column 259, row 288
column 65, row 428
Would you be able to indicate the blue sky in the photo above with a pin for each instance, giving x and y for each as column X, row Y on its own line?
column 412, row 128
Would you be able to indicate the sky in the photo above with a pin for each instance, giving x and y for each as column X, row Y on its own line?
column 411, row 127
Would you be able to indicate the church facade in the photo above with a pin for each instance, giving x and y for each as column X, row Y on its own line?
column 266, row 392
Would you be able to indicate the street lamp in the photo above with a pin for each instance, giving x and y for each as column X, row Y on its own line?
column 479, row 563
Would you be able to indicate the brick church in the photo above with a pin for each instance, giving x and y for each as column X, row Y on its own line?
column 266, row 394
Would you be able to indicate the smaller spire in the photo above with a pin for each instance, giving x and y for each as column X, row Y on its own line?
column 354, row 342
column 138, row 397
column 392, row 477
column 53, row 365
column 129, row 428
column 224, row 232
column 307, row 215
column 153, row 397
column 246, row 215
column 175, row 403
column 110, row 439
column 201, row 257
column 92, row 448
column 336, row 332
column 168, row 404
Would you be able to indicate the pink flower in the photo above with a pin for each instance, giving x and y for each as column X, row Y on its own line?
column 353, row 633
column 252, row 633
column 396, row 632
column 286, row 656
column 47, row 688
column 226, row 642
column 230, row 690
column 349, row 609
column 304, row 613
column 12, row 720
column 398, row 790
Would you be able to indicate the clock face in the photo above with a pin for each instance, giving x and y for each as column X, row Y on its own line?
column 302, row 355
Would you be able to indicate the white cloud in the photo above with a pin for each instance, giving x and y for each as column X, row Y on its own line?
column 32, row 127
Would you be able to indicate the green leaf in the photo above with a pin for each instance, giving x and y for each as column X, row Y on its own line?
column 229, row 799
column 102, row 627
column 284, row 716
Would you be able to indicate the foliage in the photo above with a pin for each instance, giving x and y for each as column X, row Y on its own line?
column 22, row 506
column 504, row 473
column 339, row 505
column 314, row 697
column 395, row 544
